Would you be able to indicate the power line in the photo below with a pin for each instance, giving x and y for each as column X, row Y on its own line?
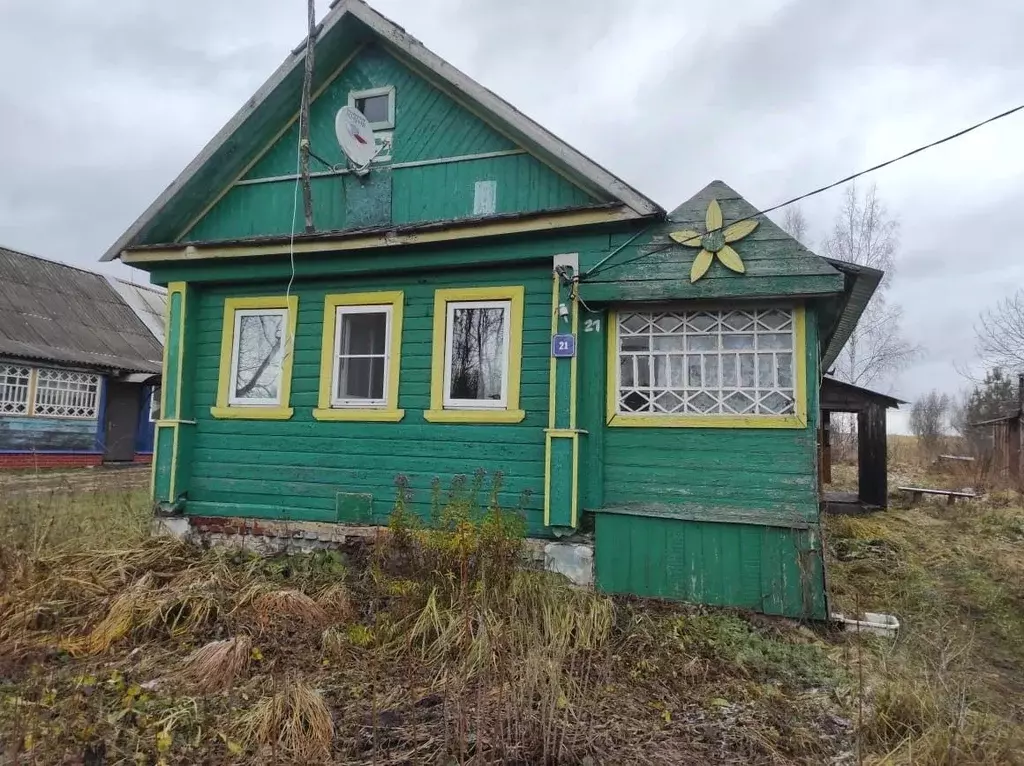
column 832, row 185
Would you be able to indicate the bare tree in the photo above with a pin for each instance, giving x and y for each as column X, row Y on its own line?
column 795, row 224
column 867, row 235
column 1000, row 334
column 928, row 418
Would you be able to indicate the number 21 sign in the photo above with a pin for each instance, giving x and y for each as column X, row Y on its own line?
column 563, row 346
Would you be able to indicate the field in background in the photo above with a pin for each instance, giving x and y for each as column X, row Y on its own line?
column 438, row 650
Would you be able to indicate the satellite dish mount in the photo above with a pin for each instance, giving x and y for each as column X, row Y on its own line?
column 355, row 136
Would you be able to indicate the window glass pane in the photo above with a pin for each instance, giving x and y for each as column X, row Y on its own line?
column 785, row 363
column 765, row 371
column 637, row 343
column 626, row 377
column 361, row 377
column 364, row 333
column 154, row 404
column 477, row 353
column 738, row 342
column 707, row 362
column 374, row 108
column 13, row 390
column 62, row 393
column 668, row 343
column 259, row 356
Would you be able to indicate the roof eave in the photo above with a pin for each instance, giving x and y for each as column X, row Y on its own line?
column 863, row 281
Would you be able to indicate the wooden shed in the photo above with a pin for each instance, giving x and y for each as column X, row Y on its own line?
column 872, row 444
column 486, row 297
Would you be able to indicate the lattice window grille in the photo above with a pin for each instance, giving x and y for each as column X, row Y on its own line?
column 14, row 389
column 707, row 362
column 66, row 394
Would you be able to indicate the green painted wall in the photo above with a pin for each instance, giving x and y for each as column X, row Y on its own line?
column 297, row 468
column 429, row 125
column 768, row 569
column 737, row 471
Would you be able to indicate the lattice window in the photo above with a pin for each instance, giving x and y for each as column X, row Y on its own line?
column 707, row 362
column 14, row 389
column 66, row 394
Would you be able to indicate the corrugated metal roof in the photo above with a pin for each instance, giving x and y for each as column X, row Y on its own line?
column 58, row 313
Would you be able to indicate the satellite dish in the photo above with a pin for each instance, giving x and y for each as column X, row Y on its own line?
column 355, row 136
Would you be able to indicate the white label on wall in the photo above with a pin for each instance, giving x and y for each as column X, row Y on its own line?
column 485, row 197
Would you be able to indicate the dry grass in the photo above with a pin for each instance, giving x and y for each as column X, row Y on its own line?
column 217, row 665
column 294, row 722
column 950, row 689
column 430, row 652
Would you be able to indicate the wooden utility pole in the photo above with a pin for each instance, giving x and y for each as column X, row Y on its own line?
column 307, row 86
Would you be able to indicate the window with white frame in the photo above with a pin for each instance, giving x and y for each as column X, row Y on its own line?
column 377, row 106
column 154, row 403
column 362, row 355
column 66, row 394
column 706, row 362
column 14, row 389
column 476, row 354
column 257, row 357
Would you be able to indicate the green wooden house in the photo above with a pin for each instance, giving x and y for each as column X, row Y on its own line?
column 486, row 297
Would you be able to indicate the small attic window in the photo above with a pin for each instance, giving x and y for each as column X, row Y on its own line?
column 377, row 105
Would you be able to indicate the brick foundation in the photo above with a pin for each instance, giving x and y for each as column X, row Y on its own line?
column 48, row 460
column 144, row 458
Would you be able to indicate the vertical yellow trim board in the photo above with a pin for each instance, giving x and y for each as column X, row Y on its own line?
column 552, row 362
column 511, row 414
column 388, row 412
column 282, row 410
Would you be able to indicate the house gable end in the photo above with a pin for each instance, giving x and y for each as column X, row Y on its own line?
column 445, row 163
column 658, row 267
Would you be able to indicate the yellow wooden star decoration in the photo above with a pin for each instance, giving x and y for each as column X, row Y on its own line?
column 715, row 241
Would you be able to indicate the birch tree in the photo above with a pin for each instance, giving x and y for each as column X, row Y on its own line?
column 866, row 234
column 795, row 224
column 1000, row 334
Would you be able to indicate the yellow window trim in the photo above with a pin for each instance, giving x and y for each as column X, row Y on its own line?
column 387, row 413
column 511, row 413
column 280, row 411
column 796, row 420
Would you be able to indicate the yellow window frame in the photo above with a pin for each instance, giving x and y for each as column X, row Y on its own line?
column 282, row 410
column 796, row 420
column 388, row 412
column 511, row 413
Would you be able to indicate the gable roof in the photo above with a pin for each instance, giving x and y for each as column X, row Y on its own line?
column 57, row 313
column 347, row 25
column 776, row 265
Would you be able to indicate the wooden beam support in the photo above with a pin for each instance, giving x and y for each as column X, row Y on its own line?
column 873, row 480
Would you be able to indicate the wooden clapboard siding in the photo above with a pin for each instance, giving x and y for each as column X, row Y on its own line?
column 768, row 569
column 731, row 470
column 39, row 433
column 296, row 468
column 429, row 125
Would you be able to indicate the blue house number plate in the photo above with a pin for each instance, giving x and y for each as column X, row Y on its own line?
column 563, row 346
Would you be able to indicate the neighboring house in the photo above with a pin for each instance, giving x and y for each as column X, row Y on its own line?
column 486, row 297
column 79, row 362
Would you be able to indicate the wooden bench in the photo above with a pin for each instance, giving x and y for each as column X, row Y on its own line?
column 916, row 493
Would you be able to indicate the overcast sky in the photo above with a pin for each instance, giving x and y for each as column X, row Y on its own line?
column 103, row 102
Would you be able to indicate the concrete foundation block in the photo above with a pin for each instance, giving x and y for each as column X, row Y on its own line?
column 574, row 560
